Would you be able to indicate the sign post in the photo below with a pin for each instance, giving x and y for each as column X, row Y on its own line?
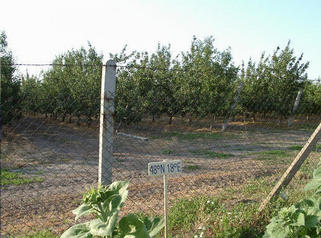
column 165, row 168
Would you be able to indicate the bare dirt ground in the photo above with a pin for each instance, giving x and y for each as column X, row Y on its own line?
column 65, row 157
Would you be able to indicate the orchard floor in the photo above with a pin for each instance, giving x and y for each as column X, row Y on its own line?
column 62, row 159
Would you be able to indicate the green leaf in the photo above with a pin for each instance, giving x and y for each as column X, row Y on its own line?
column 153, row 225
column 99, row 228
column 313, row 184
column 300, row 219
column 121, row 188
column 311, row 221
column 317, row 173
column 83, row 209
column 131, row 227
column 78, row 231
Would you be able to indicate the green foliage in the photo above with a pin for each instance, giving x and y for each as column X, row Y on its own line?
column 302, row 219
column 199, row 83
column 271, row 85
column 311, row 99
column 70, row 88
column 105, row 203
column 10, row 85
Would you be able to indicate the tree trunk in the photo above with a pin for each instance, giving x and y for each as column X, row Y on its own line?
column 295, row 107
column 190, row 120
column 213, row 119
column 89, row 121
column 253, row 117
column 153, row 118
column 170, row 120
column 78, row 120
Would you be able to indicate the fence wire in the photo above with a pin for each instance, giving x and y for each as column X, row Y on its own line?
column 49, row 148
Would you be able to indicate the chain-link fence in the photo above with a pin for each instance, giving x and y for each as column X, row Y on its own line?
column 50, row 142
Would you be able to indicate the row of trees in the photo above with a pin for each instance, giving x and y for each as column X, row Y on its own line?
column 202, row 82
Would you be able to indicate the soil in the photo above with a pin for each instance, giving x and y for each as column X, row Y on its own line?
column 66, row 157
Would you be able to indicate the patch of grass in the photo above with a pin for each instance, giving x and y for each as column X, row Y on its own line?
column 271, row 154
column 192, row 167
column 16, row 178
column 37, row 234
column 299, row 147
column 256, row 186
column 120, row 160
column 211, row 154
column 185, row 212
column 295, row 147
column 65, row 160
column 167, row 152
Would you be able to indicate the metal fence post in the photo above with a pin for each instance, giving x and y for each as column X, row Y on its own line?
column 106, row 126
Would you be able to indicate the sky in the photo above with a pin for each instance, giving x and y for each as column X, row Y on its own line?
column 39, row 30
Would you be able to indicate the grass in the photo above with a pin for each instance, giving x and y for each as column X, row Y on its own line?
column 193, row 167
column 167, row 152
column 271, row 154
column 16, row 178
column 194, row 136
column 299, row 147
column 211, row 217
column 211, row 154
column 295, row 147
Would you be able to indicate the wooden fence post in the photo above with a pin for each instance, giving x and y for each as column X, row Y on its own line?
column 294, row 167
column 106, row 126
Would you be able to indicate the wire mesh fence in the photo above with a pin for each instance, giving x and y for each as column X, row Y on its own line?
column 50, row 144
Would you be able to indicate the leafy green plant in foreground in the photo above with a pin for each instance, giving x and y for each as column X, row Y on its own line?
column 105, row 203
column 302, row 219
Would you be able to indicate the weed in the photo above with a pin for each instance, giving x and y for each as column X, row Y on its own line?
column 16, row 178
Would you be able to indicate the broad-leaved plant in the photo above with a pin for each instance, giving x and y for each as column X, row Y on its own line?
column 105, row 203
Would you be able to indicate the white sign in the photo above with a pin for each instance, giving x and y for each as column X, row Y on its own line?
column 164, row 168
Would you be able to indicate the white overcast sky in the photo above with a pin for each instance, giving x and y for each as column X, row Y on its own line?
column 38, row 30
